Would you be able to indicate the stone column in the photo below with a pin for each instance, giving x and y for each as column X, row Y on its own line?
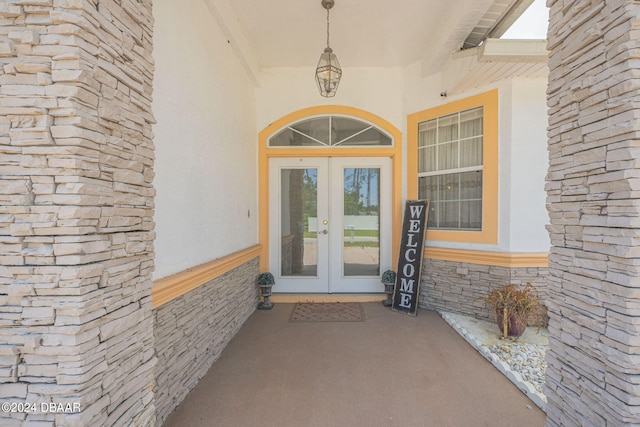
column 593, row 192
column 76, row 207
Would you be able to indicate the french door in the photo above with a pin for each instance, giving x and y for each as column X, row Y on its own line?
column 329, row 223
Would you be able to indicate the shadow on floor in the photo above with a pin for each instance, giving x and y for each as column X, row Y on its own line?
column 391, row 370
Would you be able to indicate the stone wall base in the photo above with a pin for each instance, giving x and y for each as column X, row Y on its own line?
column 192, row 331
column 461, row 287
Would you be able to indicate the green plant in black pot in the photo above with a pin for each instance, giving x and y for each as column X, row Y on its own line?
column 389, row 281
column 265, row 282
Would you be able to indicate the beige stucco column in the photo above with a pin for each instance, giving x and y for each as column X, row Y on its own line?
column 76, row 207
column 593, row 192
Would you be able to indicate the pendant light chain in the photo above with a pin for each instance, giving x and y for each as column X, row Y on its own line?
column 328, row 27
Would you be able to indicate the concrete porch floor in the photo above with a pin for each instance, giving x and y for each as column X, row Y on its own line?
column 390, row 370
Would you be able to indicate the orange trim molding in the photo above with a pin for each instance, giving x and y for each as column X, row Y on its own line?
column 488, row 100
column 500, row 259
column 174, row 286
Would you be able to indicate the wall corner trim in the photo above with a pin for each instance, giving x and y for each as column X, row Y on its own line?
column 171, row 287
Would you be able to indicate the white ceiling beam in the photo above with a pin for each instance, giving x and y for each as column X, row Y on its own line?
column 498, row 50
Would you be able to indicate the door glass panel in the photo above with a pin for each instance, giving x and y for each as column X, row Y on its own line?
column 369, row 136
column 291, row 138
column 299, row 231
column 316, row 129
column 346, row 128
column 330, row 131
column 361, row 236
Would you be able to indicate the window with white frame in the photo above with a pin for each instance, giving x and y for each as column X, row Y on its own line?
column 450, row 169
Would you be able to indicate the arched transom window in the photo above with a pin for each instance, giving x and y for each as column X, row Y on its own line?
column 330, row 131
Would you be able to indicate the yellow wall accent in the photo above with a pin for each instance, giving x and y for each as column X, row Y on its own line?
column 488, row 100
column 500, row 259
column 264, row 153
column 171, row 287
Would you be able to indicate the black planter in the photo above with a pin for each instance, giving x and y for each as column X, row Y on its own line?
column 265, row 291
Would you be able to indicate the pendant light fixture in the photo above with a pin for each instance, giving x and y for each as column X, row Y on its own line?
column 328, row 71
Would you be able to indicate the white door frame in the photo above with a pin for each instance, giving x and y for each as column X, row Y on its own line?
column 330, row 276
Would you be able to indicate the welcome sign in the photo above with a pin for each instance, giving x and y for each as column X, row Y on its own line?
column 405, row 294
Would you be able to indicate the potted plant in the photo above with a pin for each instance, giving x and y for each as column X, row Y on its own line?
column 265, row 282
column 514, row 307
column 389, row 281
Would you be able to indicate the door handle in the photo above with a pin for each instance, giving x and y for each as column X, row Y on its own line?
column 325, row 231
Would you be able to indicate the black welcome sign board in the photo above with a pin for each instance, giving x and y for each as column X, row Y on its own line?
column 405, row 294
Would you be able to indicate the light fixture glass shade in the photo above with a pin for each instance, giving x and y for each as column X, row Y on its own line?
column 328, row 73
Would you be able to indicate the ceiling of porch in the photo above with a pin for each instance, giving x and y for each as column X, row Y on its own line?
column 369, row 33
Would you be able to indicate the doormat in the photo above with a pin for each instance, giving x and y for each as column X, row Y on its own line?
column 327, row 312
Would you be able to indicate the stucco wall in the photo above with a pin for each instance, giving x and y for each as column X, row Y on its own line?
column 522, row 133
column 285, row 90
column 527, row 164
column 205, row 138
column 522, row 161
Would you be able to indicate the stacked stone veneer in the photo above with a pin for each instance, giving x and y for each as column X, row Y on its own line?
column 76, row 206
column 593, row 194
column 460, row 287
column 192, row 330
